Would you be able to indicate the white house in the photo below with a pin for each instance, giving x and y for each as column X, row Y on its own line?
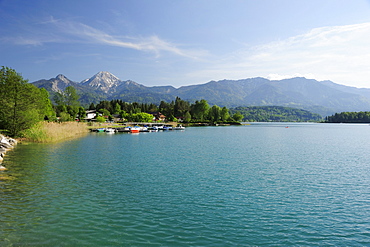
column 90, row 114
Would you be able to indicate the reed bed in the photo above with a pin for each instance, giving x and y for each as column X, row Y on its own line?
column 45, row 132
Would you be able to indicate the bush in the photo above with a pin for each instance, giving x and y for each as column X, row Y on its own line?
column 100, row 119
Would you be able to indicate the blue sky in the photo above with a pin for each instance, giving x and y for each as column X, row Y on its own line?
column 185, row 42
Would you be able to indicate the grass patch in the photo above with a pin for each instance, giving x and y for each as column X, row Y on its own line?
column 45, row 132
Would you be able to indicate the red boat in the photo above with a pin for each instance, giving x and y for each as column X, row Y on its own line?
column 135, row 130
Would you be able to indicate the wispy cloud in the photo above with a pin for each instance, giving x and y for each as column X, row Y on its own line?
column 151, row 43
column 338, row 53
column 60, row 31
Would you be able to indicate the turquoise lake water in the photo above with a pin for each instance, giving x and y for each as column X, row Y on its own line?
column 254, row 185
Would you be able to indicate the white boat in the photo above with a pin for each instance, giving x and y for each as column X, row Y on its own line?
column 153, row 129
column 110, row 130
column 164, row 127
column 160, row 127
column 144, row 129
column 180, row 127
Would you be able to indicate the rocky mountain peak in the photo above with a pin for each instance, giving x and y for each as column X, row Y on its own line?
column 62, row 78
column 103, row 81
column 103, row 77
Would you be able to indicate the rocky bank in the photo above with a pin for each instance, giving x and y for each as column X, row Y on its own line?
column 6, row 144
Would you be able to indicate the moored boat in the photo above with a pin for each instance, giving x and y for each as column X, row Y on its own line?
column 135, row 129
column 180, row 127
column 144, row 129
column 153, row 129
column 110, row 130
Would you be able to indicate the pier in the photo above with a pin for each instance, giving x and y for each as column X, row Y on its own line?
column 136, row 127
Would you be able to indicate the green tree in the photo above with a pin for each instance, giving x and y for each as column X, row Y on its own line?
column 59, row 109
column 117, row 108
column 105, row 105
column 141, row 117
column 71, row 96
column 67, row 102
column 187, row 117
column 22, row 104
column 237, row 116
column 167, row 109
column 224, row 114
column 64, row 117
column 123, row 114
column 92, row 106
column 73, row 111
column 105, row 113
column 214, row 114
column 59, row 98
column 181, row 107
column 199, row 110
column 100, row 119
column 47, row 105
column 68, row 97
column 81, row 113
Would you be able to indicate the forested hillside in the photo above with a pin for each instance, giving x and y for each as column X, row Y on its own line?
column 275, row 114
column 350, row 117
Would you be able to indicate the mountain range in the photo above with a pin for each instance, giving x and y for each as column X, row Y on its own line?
column 323, row 97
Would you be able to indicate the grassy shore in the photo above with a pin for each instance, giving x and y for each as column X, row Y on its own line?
column 46, row 132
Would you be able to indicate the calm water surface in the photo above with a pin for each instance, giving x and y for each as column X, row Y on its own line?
column 254, row 185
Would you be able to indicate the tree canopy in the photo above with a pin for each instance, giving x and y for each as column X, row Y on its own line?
column 199, row 111
column 273, row 114
column 350, row 117
column 22, row 104
column 67, row 103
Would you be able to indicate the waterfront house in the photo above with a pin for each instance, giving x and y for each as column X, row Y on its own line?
column 90, row 115
column 158, row 116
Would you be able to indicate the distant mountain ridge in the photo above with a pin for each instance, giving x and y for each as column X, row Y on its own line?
column 323, row 97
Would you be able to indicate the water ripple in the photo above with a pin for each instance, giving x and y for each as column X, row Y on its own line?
column 234, row 186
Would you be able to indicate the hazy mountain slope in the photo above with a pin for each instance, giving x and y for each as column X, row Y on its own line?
column 59, row 83
column 225, row 92
column 296, row 92
column 361, row 91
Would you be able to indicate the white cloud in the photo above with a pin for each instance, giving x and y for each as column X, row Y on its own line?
column 148, row 44
column 337, row 53
column 71, row 31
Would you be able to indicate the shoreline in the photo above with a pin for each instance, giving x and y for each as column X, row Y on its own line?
column 6, row 144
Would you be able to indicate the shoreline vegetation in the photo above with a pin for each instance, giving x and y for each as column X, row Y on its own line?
column 48, row 132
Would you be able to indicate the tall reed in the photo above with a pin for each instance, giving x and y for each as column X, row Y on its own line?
column 45, row 132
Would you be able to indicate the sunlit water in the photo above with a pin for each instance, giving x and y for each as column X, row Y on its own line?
column 254, row 185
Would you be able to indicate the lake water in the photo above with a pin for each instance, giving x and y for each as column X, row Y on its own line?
column 254, row 185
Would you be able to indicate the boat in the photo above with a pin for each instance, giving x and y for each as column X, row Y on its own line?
column 144, row 129
column 153, row 129
column 135, row 129
column 167, row 128
column 160, row 127
column 180, row 127
column 164, row 127
column 110, row 130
